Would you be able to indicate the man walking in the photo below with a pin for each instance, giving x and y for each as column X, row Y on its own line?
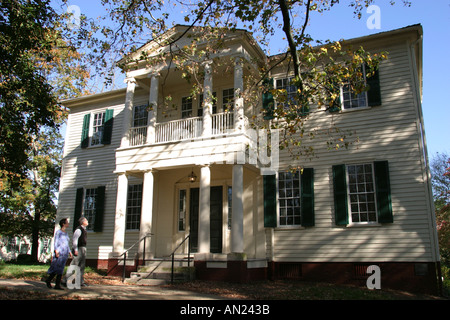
column 79, row 241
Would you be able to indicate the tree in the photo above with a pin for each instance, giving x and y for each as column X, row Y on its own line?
column 440, row 179
column 37, row 68
column 30, row 209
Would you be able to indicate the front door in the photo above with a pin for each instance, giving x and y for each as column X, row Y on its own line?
column 215, row 219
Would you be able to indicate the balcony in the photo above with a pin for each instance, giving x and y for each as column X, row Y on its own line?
column 182, row 129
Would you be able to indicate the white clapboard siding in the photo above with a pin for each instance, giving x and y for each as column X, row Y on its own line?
column 91, row 167
column 388, row 132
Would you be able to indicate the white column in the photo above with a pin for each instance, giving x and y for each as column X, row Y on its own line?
column 207, row 101
column 237, row 220
column 204, row 210
column 121, row 211
column 147, row 211
column 153, row 104
column 238, row 95
column 128, row 111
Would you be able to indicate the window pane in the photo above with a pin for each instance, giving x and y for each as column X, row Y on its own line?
column 228, row 99
column 352, row 100
column 182, row 210
column 361, row 193
column 97, row 128
column 186, row 107
column 89, row 207
column 134, row 205
column 289, row 198
column 140, row 116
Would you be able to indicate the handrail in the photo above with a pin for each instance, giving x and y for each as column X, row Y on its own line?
column 124, row 254
column 172, row 255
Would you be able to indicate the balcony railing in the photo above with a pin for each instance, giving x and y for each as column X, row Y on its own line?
column 178, row 129
column 222, row 122
column 138, row 135
column 182, row 129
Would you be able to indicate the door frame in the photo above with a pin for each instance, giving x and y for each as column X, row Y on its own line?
column 224, row 183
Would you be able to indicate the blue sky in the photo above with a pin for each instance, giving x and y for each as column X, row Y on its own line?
column 339, row 23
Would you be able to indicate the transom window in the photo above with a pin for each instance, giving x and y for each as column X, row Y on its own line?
column 361, row 193
column 134, row 205
column 97, row 128
column 89, row 207
column 289, row 198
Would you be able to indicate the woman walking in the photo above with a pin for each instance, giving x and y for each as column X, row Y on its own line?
column 60, row 255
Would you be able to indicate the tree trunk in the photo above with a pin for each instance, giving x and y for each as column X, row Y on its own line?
column 35, row 237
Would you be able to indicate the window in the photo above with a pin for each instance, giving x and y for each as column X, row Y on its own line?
column 230, row 206
column 90, row 203
column 200, row 104
column 285, row 84
column 352, row 100
column 361, row 193
column 90, row 207
column 348, row 100
column 140, row 116
column 292, row 99
column 134, row 205
column 138, row 132
column 97, row 128
column 289, row 198
column 228, row 99
column 99, row 132
column 186, row 107
column 182, row 210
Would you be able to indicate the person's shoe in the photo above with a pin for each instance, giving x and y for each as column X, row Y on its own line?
column 58, row 282
column 49, row 279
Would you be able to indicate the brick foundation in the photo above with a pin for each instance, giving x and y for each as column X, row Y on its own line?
column 407, row 276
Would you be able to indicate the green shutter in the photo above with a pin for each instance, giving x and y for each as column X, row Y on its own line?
column 383, row 192
column 268, row 102
column 108, row 126
column 270, row 201
column 340, row 195
column 307, row 197
column 374, row 94
column 85, row 131
column 78, row 207
column 99, row 209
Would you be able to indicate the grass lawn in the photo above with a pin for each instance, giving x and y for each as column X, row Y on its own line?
column 31, row 271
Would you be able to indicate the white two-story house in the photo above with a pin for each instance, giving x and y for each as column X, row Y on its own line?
column 135, row 165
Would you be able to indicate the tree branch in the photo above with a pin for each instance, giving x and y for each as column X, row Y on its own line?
column 290, row 38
